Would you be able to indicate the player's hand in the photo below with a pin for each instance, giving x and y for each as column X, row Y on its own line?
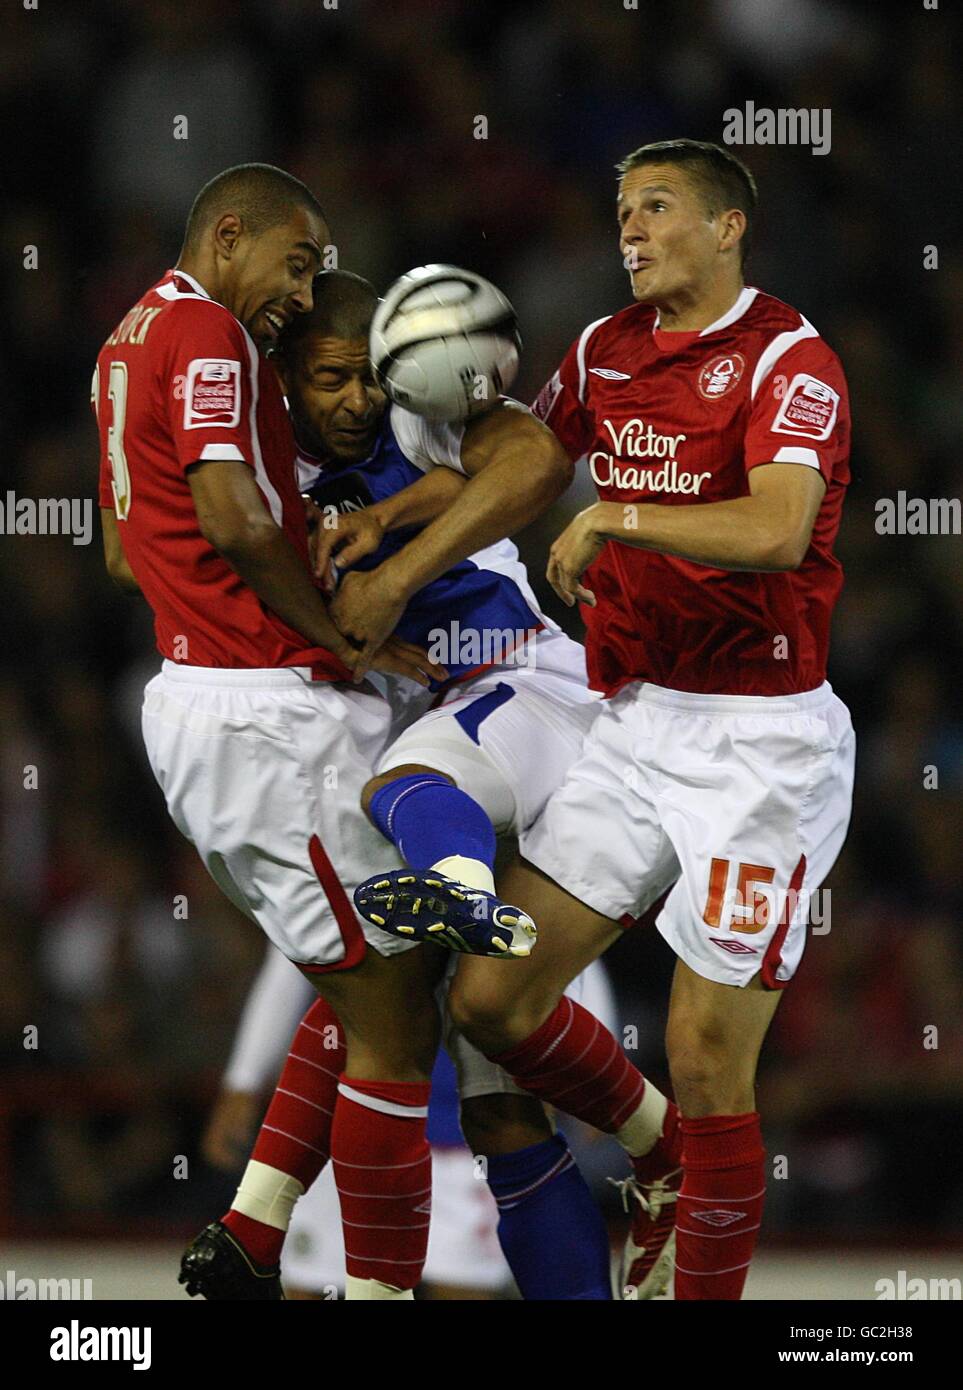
column 366, row 610
column 344, row 539
column 402, row 658
column 226, row 1141
column 570, row 556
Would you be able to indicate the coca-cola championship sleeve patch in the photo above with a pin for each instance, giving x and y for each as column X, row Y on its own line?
column 212, row 393
column 801, row 411
column 808, row 410
column 212, row 386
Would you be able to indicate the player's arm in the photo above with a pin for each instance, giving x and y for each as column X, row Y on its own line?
column 346, row 537
column 515, row 467
column 233, row 519
column 768, row 530
column 114, row 557
column 420, row 502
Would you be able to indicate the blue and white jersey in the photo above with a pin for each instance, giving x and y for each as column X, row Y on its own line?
column 481, row 609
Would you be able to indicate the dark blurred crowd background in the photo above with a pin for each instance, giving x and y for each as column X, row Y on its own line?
column 374, row 105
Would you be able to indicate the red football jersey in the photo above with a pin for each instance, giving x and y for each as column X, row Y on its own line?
column 180, row 381
column 680, row 419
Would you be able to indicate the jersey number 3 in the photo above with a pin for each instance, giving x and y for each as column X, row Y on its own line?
column 117, row 396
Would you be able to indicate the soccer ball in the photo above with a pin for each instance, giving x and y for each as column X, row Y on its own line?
column 444, row 342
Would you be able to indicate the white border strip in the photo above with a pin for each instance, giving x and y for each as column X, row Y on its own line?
column 387, row 1107
column 776, row 349
column 580, row 354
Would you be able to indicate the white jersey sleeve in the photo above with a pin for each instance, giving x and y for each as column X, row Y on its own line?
column 428, row 443
column 275, row 1006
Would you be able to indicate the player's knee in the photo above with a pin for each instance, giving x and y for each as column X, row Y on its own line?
column 503, row 1123
column 492, row 1018
column 472, row 1007
column 708, row 1076
column 399, row 1049
column 481, row 1011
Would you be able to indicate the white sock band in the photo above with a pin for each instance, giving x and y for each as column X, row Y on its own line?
column 356, row 1289
column 268, row 1195
column 385, row 1107
column 643, row 1129
column 474, row 872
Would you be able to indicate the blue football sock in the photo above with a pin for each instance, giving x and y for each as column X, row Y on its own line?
column 430, row 820
column 550, row 1229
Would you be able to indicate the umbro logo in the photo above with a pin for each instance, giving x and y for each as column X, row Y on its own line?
column 736, row 947
column 609, row 374
column 719, row 1217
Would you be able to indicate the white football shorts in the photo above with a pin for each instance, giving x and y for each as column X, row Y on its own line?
column 508, row 736
column 262, row 771
column 742, row 803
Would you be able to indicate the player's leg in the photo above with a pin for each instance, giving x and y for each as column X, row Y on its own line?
column 600, row 838
column 500, row 752
column 596, row 828
column 293, row 1143
column 555, row 1049
column 714, row 1035
column 379, row 1147
column 773, row 780
column 549, row 1226
column 483, row 763
column 257, row 809
column 357, row 1093
column 713, row 1039
column 522, row 1019
column 448, row 841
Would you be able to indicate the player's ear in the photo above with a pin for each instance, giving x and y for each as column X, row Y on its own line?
column 732, row 226
column 227, row 231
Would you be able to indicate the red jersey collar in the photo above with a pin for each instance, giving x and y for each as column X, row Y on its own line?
column 668, row 341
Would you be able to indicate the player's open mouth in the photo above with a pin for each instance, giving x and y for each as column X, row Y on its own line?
column 277, row 321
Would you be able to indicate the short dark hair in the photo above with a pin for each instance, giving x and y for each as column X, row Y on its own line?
column 724, row 180
column 343, row 307
column 261, row 195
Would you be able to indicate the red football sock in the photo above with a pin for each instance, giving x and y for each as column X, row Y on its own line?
column 719, row 1206
column 382, row 1167
column 295, row 1135
column 574, row 1063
